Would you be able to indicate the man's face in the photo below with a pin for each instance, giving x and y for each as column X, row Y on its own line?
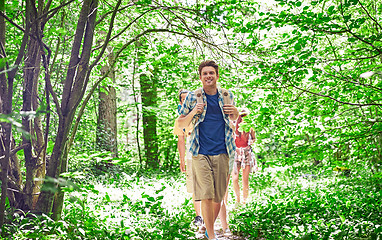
column 208, row 76
column 182, row 97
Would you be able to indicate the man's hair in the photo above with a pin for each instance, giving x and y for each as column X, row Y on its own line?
column 181, row 91
column 208, row 63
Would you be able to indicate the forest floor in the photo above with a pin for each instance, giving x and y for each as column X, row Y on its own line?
column 220, row 234
column 219, row 230
column 174, row 196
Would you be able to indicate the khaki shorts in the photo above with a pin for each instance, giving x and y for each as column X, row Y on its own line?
column 189, row 178
column 210, row 175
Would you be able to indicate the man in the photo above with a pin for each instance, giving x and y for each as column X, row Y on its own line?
column 212, row 143
column 182, row 135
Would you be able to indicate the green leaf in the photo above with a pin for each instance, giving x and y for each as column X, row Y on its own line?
column 3, row 62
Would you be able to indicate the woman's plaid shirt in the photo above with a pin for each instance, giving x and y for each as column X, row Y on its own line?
column 189, row 104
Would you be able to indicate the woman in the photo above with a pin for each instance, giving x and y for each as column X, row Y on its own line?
column 244, row 158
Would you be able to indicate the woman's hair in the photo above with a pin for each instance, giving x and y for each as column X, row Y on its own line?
column 181, row 91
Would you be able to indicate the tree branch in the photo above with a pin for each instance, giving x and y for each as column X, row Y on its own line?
column 18, row 148
column 336, row 100
column 368, row 14
column 122, row 31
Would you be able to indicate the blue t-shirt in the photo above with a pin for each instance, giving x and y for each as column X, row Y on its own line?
column 211, row 130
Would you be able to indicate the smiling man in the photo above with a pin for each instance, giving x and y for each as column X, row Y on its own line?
column 212, row 143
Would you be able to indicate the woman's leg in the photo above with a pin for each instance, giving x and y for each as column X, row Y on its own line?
column 197, row 206
column 235, row 182
column 246, row 172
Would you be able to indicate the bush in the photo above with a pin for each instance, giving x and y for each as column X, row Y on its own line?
column 325, row 207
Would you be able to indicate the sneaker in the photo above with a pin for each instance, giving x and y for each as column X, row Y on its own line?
column 206, row 234
column 198, row 221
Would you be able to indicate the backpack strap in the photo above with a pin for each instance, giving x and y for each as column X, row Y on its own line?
column 199, row 99
column 199, row 95
column 226, row 98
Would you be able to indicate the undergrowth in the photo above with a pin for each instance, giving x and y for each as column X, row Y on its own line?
column 294, row 202
column 289, row 204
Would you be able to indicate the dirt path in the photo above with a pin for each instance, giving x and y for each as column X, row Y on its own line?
column 220, row 234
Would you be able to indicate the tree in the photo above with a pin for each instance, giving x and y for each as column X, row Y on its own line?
column 317, row 66
column 149, row 118
column 48, row 25
column 107, row 111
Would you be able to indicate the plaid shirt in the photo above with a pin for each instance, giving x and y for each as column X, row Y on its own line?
column 189, row 104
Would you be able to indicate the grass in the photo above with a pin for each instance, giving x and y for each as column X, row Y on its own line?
column 323, row 205
column 286, row 203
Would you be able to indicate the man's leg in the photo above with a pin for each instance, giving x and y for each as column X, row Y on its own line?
column 208, row 211
column 217, row 209
column 204, row 188
column 223, row 210
column 246, row 172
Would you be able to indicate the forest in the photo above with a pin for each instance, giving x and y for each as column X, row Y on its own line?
column 88, row 99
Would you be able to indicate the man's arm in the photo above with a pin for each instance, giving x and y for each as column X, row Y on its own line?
column 185, row 120
column 182, row 152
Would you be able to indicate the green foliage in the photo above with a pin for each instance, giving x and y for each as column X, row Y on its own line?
column 290, row 204
column 131, row 207
column 316, row 96
column 309, row 71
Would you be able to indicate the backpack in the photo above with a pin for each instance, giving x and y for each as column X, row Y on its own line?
column 199, row 99
column 226, row 98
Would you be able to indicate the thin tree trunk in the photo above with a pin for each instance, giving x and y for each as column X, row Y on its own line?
column 149, row 119
column 137, row 109
column 5, row 128
column 5, row 164
column 34, row 142
column 6, row 93
column 107, row 113
column 6, row 96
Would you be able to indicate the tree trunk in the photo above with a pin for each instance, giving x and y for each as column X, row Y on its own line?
column 5, row 128
column 73, row 92
column 3, row 77
column 32, row 69
column 149, row 119
column 34, row 142
column 107, row 113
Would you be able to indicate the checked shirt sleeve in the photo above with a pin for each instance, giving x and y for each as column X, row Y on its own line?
column 189, row 104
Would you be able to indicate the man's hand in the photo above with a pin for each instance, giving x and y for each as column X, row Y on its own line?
column 231, row 110
column 182, row 165
column 198, row 109
column 184, row 121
